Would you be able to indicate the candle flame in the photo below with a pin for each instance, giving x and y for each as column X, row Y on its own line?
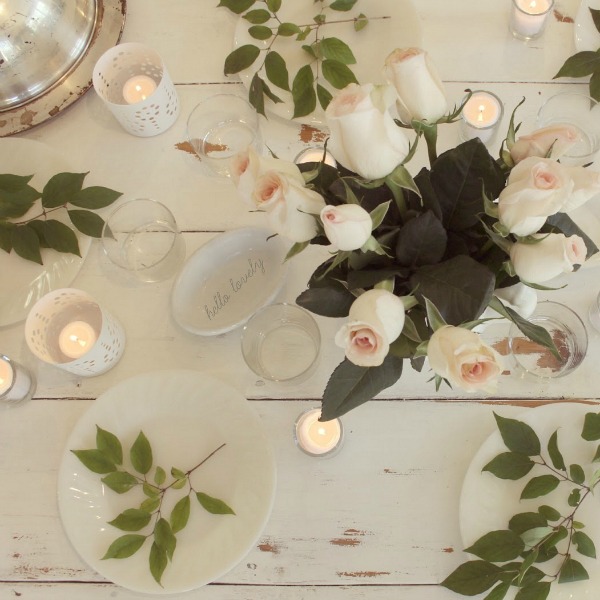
column 532, row 4
column 138, row 88
column 77, row 340
column 481, row 111
column 321, row 431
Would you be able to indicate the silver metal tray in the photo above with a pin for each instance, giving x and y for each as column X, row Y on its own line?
column 48, row 49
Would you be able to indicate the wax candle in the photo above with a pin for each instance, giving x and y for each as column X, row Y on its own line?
column 76, row 338
column 138, row 88
column 6, row 376
column 318, row 438
column 315, row 154
column 16, row 383
column 528, row 17
column 481, row 116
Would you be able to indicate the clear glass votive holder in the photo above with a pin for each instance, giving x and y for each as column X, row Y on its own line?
column 322, row 439
column 220, row 127
column 594, row 313
column 315, row 154
column 580, row 112
column 567, row 331
column 281, row 342
column 133, row 82
column 481, row 117
column 67, row 328
column 142, row 237
column 17, row 383
column 528, row 18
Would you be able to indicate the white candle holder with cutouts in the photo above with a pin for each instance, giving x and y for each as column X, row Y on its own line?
column 133, row 82
column 67, row 328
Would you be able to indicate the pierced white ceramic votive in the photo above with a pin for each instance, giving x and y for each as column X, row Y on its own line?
column 133, row 82
column 68, row 329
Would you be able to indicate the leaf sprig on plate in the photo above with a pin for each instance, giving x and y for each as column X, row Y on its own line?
column 328, row 57
column 148, row 517
column 510, row 557
column 585, row 63
column 64, row 191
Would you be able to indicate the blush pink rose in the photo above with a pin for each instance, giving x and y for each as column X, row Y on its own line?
column 556, row 140
column 347, row 227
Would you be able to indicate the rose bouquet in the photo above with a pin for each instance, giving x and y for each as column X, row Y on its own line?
column 418, row 262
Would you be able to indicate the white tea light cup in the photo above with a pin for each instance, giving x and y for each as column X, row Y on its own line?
column 17, row 383
column 67, row 328
column 133, row 82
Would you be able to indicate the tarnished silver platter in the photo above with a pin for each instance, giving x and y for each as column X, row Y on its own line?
column 48, row 49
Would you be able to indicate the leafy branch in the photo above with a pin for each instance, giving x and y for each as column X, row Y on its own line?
column 63, row 191
column 328, row 57
column 508, row 557
column 107, row 459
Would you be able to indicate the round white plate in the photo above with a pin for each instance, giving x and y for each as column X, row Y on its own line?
column 185, row 415
column 28, row 281
column 587, row 36
column 228, row 279
column 487, row 503
column 370, row 46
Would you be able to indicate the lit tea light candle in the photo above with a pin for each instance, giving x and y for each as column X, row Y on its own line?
column 528, row 18
column 16, row 383
column 6, row 376
column 138, row 88
column 318, row 438
column 76, row 339
column 481, row 116
column 315, row 155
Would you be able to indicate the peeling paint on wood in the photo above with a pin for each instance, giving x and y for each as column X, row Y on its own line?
column 362, row 573
column 311, row 134
column 355, row 532
column 344, row 542
column 186, row 147
column 448, row 550
column 274, row 548
column 562, row 18
column 27, row 117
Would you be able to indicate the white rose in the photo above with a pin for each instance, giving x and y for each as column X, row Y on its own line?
column 586, row 186
column 552, row 255
column 419, row 87
column 520, row 297
column 459, row 355
column 363, row 135
column 537, row 188
column 348, row 226
column 556, row 138
column 292, row 208
column 376, row 319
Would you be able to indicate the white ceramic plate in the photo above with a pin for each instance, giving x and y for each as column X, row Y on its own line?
column 30, row 281
column 587, row 36
column 185, row 415
column 487, row 503
column 370, row 46
column 228, row 279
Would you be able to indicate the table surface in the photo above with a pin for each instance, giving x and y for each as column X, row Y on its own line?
column 378, row 520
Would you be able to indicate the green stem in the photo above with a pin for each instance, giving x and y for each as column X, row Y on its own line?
column 44, row 213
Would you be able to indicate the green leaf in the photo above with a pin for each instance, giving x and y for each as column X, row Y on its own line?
column 95, row 461
column 497, row 546
column 535, row 591
column 150, row 490
column 333, row 300
column 58, row 236
column 141, row 454
column 150, row 504
column 260, row 32
column 528, row 574
column 61, row 188
column 580, row 64
column 584, row 544
column 591, row 427
column 177, row 473
column 288, row 29
column 574, row 497
column 422, row 241
column 125, row 546
column 555, row 455
column 159, row 476
column 5, row 236
column 26, row 243
column 179, row 484
column 510, row 465
column 273, row 5
column 13, row 183
column 164, row 537
column 324, row 96
column 360, row 22
column 576, row 473
column 16, row 204
column 594, row 87
column 539, row 486
column 120, row 481
column 214, row 505
column 549, row 513
column 258, row 16
column 350, row 385
column 560, row 534
column 532, row 537
column 595, row 17
column 303, row 93
column 180, row 514
column 334, row 49
column 94, row 197
column 237, row 6
column 342, row 5
column 157, row 561
column 87, row 222
column 337, row 73
column 276, row 70
column 256, row 94
column 572, row 570
column 472, row 578
column 108, row 443
column 132, row 519
column 241, row 58
column 518, row 436
column 499, row 592
column 523, row 521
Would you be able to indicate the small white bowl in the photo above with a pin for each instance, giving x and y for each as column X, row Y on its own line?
column 227, row 280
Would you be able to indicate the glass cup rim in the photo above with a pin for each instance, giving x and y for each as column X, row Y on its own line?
column 524, row 12
column 12, row 366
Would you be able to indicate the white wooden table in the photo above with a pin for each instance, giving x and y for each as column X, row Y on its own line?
column 379, row 520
